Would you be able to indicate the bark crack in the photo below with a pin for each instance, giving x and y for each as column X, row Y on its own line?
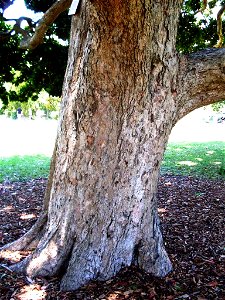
column 136, row 251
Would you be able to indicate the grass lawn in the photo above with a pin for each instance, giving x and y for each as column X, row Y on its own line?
column 21, row 168
column 196, row 159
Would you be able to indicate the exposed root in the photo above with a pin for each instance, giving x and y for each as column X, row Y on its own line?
column 50, row 180
column 152, row 256
column 31, row 239
column 48, row 258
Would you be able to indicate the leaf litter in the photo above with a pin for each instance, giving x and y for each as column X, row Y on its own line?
column 192, row 221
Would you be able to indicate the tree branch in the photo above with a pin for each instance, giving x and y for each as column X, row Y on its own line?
column 4, row 4
column 201, row 80
column 29, row 20
column 219, row 22
column 219, row 27
column 17, row 27
column 5, row 35
column 49, row 17
column 204, row 5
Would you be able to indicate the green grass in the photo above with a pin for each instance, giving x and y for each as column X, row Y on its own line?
column 21, row 168
column 196, row 159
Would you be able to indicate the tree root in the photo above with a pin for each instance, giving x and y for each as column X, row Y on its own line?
column 30, row 239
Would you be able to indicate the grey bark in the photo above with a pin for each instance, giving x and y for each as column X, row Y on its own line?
column 125, row 87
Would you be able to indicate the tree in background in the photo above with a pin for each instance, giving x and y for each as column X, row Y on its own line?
column 125, row 88
column 45, row 106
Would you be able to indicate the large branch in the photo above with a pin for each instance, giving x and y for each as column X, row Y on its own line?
column 49, row 17
column 201, row 80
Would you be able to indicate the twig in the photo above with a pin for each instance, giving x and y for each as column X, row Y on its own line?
column 29, row 20
column 33, row 37
column 49, row 17
column 5, row 267
column 204, row 5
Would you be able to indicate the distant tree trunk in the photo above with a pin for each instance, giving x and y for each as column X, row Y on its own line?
column 125, row 87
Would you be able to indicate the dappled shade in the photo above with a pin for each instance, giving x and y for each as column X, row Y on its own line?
column 196, row 159
column 189, row 208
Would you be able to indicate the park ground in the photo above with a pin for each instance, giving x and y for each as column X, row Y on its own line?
column 192, row 217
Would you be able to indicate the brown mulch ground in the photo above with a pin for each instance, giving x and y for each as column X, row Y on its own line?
column 192, row 213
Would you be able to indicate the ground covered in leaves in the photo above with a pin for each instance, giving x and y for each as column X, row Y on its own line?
column 192, row 214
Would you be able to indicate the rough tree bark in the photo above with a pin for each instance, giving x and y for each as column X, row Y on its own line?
column 125, row 88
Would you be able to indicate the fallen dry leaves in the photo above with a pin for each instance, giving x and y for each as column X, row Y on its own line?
column 192, row 214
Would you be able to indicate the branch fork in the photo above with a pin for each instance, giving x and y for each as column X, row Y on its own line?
column 32, row 38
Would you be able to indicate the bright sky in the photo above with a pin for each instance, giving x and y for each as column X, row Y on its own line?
column 18, row 9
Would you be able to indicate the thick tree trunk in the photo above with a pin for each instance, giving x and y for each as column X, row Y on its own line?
column 123, row 92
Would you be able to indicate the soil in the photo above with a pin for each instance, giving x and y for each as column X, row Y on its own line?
column 192, row 220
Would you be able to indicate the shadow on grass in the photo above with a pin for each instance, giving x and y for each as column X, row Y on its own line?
column 201, row 159
column 196, row 159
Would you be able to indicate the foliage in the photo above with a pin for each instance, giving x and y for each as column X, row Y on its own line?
column 197, row 30
column 41, row 68
column 10, row 59
column 30, row 108
column 5, row 4
column 218, row 106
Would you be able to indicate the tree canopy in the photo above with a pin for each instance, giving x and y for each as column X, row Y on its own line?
column 41, row 68
column 38, row 69
column 200, row 25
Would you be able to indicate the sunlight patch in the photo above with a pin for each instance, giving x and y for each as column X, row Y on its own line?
column 32, row 291
column 210, row 152
column 13, row 256
column 199, row 159
column 7, row 208
column 27, row 216
column 187, row 163
column 217, row 163
column 168, row 183
column 161, row 210
column 114, row 296
column 178, row 149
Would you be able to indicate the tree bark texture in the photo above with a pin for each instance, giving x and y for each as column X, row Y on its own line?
column 125, row 87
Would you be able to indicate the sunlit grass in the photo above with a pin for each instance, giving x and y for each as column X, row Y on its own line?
column 21, row 168
column 197, row 159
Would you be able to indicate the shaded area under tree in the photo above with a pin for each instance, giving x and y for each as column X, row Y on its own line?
column 191, row 211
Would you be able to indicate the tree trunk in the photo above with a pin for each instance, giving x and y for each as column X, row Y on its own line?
column 123, row 92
